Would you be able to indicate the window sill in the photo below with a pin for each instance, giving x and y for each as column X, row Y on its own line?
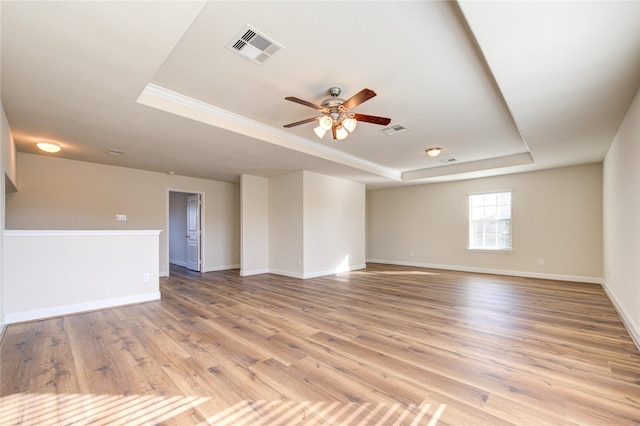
column 486, row 250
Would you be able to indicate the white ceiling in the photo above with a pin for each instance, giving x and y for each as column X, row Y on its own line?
column 503, row 87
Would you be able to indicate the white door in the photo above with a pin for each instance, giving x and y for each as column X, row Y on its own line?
column 193, row 232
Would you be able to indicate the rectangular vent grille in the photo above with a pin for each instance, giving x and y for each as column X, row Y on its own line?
column 394, row 130
column 252, row 45
column 248, row 35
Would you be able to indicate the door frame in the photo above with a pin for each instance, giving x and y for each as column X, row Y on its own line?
column 202, row 225
column 194, row 231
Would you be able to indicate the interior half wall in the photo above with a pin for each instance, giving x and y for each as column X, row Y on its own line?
column 60, row 194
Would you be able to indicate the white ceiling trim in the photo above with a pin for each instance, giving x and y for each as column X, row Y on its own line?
column 176, row 103
column 470, row 166
column 493, row 81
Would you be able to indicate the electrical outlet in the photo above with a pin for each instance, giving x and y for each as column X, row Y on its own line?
column 540, row 262
column 413, row 254
column 121, row 217
column 145, row 277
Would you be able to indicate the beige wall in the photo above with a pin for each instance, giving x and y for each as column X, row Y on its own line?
column 254, row 213
column 621, row 204
column 55, row 193
column 7, row 173
column 557, row 217
column 334, row 226
column 51, row 273
column 286, row 252
column 310, row 224
column 8, row 155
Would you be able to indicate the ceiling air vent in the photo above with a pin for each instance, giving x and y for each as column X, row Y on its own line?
column 448, row 160
column 394, row 130
column 252, row 45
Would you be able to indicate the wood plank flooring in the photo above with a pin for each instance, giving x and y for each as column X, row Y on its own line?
column 385, row 345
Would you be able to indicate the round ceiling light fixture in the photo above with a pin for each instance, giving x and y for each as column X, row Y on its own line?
column 434, row 151
column 47, row 146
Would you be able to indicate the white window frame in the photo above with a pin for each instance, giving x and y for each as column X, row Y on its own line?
column 496, row 249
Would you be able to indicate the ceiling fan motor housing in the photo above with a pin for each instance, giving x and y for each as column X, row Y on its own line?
column 334, row 91
column 332, row 105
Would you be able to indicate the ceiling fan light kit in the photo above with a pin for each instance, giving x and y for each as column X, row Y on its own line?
column 350, row 124
column 319, row 131
column 336, row 114
column 326, row 122
column 341, row 132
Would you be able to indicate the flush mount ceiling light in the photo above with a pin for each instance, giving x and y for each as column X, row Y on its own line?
column 336, row 115
column 47, row 146
column 434, row 151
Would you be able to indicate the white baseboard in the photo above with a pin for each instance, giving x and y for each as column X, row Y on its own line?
column 178, row 262
column 245, row 273
column 221, row 267
column 37, row 314
column 303, row 276
column 632, row 327
column 332, row 271
column 292, row 274
column 284, row 273
column 524, row 274
column 206, row 268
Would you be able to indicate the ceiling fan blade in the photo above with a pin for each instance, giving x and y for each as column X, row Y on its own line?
column 372, row 119
column 303, row 102
column 334, row 130
column 297, row 123
column 358, row 98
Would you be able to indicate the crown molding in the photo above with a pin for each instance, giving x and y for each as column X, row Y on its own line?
column 470, row 166
column 176, row 103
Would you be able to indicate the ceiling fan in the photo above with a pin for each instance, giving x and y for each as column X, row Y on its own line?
column 336, row 113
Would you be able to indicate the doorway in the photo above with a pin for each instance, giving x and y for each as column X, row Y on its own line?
column 185, row 234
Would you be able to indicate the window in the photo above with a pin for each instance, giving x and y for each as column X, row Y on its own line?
column 490, row 221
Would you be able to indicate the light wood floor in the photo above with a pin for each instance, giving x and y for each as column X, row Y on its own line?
column 385, row 345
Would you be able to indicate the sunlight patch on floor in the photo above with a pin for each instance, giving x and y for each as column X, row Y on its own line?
column 79, row 409
column 325, row 413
